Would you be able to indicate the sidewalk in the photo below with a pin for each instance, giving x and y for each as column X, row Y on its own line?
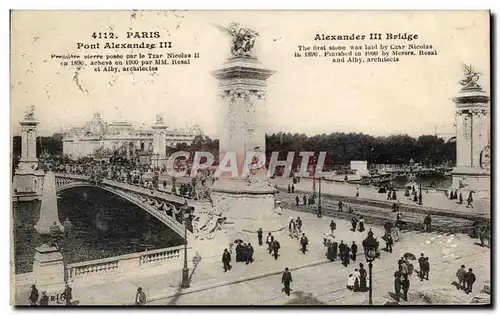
column 436, row 200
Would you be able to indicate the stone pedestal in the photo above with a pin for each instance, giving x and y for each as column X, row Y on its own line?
column 247, row 203
column 159, row 158
column 472, row 172
column 26, row 184
column 48, row 269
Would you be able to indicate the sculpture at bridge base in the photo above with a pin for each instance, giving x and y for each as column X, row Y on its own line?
column 245, row 202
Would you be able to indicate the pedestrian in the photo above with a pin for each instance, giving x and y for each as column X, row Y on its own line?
column 421, row 260
column 388, row 243
column 469, row 200
column 399, row 217
column 394, row 197
column 403, row 268
column 397, row 285
column 293, row 188
column 297, row 199
column 361, row 224
column 226, row 260
column 427, row 222
column 44, row 299
column 354, row 223
column 286, row 280
column 329, row 251
column 269, row 242
column 389, row 195
column 362, row 278
column 291, row 227
column 298, row 223
column 239, row 252
column 276, row 246
column 356, row 275
column 304, row 242
column 34, row 295
column 289, row 189
column 249, row 252
column 259, row 236
column 354, row 250
column 470, row 278
column 460, row 198
column 140, row 297
column 427, row 268
column 335, row 249
column 341, row 248
column 461, row 278
column 304, row 198
column 405, row 284
column 67, row 294
column 333, row 226
column 357, row 192
column 346, row 258
column 341, row 205
column 394, row 207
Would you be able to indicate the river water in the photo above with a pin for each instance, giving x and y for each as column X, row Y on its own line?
column 104, row 225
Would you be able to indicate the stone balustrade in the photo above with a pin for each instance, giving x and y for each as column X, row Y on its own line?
column 119, row 266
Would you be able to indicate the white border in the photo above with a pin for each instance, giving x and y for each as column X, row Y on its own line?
column 190, row 4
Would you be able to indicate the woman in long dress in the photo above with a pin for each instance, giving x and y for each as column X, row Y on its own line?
column 361, row 224
column 362, row 278
column 356, row 281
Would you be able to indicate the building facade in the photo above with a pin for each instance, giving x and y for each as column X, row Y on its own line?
column 121, row 136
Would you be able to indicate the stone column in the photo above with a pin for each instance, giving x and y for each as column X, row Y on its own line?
column 24, row 185
column 472, row 138
column 247, row 203
column 159, row 142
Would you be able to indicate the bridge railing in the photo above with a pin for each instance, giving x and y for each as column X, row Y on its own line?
column 103, row 269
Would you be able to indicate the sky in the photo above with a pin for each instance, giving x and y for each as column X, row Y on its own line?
column 305, row 95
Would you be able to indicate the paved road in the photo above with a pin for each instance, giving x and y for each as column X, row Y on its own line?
column 326, row 284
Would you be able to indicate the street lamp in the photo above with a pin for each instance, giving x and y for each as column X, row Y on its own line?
column 370, row 244
column 185, row 270
column 319, row 199
column 420, row 187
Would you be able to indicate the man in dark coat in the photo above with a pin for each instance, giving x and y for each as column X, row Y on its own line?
column 293, row 188
column 297, row 200
column 67, row 294
column 405, row 284
column 426, row 268
column 239, row 252
column 303, row 243
column 34, row 295
column 341, row 248
column 329, row 252
column 345, row 257
column 140, row 297
column 354, row 250
column 469, row 200
column 286, row 280
column 226, row 260
column 276, row 246
column 397, row 285
column 335, row 249
column 44, row 300
column 420, row 264
column 289, row 189
column 427, row 222
column 259, row 236
column 305, row 200
column 354, row 223
column 249, row 253
column 388, row 243
column 298, row 222
column 470, row 278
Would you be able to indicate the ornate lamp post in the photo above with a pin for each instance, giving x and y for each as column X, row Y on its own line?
column 319, row 199
column 420, row 187
column 185, row 270
column 370, row 244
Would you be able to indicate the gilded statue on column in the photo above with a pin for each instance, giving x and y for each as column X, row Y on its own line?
column 242, row 39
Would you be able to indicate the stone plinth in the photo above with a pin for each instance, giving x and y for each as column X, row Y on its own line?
column 48, row 269
column 247, row 203
column 472, row 172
